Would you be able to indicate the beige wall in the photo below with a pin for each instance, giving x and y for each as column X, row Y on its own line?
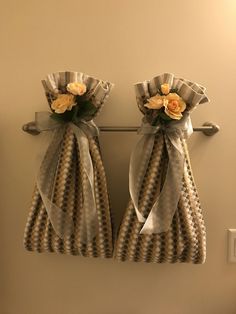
column 123, row 41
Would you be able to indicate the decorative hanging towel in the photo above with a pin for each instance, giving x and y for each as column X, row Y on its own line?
column 70, row 207
column 163, row 221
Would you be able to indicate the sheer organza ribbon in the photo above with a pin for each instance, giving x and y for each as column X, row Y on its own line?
column 61, row 221
column 165, row 204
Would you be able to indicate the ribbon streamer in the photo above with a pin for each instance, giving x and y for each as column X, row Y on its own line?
column 62, row 223
column 164, row 207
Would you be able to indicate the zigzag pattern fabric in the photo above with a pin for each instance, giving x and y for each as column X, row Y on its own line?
column 70, row 186
column 185, row 241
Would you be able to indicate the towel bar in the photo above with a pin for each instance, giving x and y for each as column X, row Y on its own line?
column 208, row 128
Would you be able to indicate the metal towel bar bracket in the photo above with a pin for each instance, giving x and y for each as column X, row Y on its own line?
column 208, row 128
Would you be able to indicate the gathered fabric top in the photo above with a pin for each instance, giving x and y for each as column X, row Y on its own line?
column 192, row 93
column 97, row 90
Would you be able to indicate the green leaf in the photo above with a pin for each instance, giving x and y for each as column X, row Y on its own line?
column 57, row 116
column 86, row 109
column 66, row 116
column 164, row 116
column 156, row 121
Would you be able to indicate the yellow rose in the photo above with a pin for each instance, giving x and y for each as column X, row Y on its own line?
column 155, row 102
column 174, row 106
column 63, row 102
column 165, row 88
column 76, row 88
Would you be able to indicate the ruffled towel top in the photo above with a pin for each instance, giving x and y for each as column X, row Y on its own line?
column 97, row 90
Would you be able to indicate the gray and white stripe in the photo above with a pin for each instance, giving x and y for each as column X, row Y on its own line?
column 98, row 90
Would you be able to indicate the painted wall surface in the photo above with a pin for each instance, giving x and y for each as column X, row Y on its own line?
column 122, row 41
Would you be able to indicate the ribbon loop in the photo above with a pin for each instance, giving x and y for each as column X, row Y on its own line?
column 61, row 221
column 164, row 206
